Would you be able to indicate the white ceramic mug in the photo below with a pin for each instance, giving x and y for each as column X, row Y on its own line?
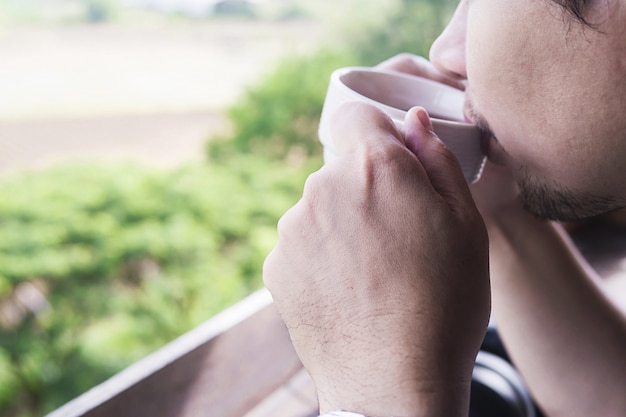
column 396, row 93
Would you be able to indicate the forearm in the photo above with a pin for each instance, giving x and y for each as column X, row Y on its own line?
column 567, row 339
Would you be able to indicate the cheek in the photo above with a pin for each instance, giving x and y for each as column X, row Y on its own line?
column 521, row 82
column 554, row 97
column 501, row 69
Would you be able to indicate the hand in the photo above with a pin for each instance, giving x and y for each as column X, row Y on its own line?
column 381, row 271
column 496, row 192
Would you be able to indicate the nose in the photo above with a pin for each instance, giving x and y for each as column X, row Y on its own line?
column 448, row 51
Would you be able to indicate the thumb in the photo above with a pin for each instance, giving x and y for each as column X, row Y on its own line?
column 441, row 165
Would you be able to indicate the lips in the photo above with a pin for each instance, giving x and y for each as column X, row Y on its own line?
column 468, row 112
column 473, row 117
column 489, row 142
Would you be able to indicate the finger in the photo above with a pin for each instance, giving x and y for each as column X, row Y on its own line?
column 358, row 125
column 278, row 273
column 419, row 66
column 442, row 167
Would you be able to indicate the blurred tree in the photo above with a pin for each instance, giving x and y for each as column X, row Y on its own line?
column 411, row 27
column 279, row 116
column 239, row 8
column 98, row 11
column 101, row 265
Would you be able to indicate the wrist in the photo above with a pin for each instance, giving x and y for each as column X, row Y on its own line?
column 344, row 413
column 426, row 402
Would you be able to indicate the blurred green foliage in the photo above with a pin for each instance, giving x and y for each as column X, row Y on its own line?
column 101, row 265
column 235, row 8
column 279, row 116
column 59, row 11
column 411, row 27
column 101, row 10
column 124, row 260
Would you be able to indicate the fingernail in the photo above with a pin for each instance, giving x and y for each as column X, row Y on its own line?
column 424, row 119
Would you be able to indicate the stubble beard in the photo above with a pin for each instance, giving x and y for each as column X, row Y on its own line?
column 557, row 202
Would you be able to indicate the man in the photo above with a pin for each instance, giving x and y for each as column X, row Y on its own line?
column 384, row 269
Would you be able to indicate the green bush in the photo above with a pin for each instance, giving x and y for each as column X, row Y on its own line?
column 412, row 27
column 280, row 115
column 239, row 8
column 98, row 11
column 126, row 259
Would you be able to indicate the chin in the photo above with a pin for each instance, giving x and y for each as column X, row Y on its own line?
column 560, row 203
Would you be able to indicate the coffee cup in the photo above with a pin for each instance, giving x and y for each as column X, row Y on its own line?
column 395, row 93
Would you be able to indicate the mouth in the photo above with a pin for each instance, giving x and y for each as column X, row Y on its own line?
column 475, row 118
column 489, row 142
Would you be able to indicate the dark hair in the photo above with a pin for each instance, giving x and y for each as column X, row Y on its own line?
column 576, row 8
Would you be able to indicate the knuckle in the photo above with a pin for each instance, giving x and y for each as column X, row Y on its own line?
column 268, row 270
column 314, row 184
column 402, row 61
column 407, row 63
column 274, row 278
column 385, row 155
column 405, row 56
column 358, row 124
column 291, row 223
column 286, row 224
column 363, row 113
column 386, row 168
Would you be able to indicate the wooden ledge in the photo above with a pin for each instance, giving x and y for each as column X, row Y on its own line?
column 241, row 363
column 228, row 367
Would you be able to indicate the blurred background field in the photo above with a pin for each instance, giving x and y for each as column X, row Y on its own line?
column 61, row 74
column 147, row 149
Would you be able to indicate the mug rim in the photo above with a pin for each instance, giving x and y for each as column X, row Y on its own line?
column 341, row 72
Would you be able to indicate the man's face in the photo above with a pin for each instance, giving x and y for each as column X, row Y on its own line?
column 553, row 94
